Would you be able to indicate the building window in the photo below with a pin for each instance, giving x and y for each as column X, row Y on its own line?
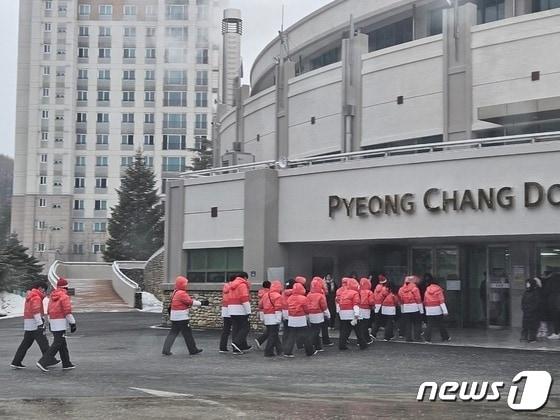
column 129, row 10
column 45, row 136
column 104, row 52
column 104, row 31
column 149, row 118
column 84, row 9
column 40, row 247
column 129, row 53
column 202, row 56
column 128, row 96
column 129, row 75
column 83, row 52
column 44, row 158
column 175, row 55
column 77, row 227
column 105, row 10
column 179, row 33
column 80, row 161
column 201, row 99
column 98, row 248
column 45, row 114
column 201, row 121
column 82, row 74
column 81, row 117
column 102, row 117
column 78, row 204
column 45, row 92
column 149, row 139
column 540, row 5
column 103, row 95
column 389, row 35
column 104, row 75
column 174, row 121
column 47, row 27
column 174, row 142
column 490, row 10
column 100, row 182
column 173, row 164
column 201, row 35
column 80, row 139
column 42, row 202
column 213, row 265
column 127, row 161
column 79, row 182
column 175, row 99
column 128, row 139
column 149, row 96
column 130, row 31
column 77, row 249
column 84, row 31
column 175, row 77
column 100, row 205
column 150, row 53
column 128, row 118
column 103, row 139
column 150, row 32
column 47, row 48
column 48, row 5
column 99, row 227
column 46, row 70
column 176, row 12
column 202, row 13
column 151, row 11
column 82, row 95
column 101, row 161
column 149, row 161
column 41, row 225
column 150, row 75
column 202, row 78
column 435, row 26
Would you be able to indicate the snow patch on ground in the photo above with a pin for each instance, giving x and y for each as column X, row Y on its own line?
column 150, row 303
column 11, row 305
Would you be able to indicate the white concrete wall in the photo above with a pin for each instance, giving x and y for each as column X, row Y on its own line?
column 506, row 52
column 412, row 70
column 260, row 119
column 201, row 230
column 304, row 195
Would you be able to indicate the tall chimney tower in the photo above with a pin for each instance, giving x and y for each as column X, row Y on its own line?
column 232, row 29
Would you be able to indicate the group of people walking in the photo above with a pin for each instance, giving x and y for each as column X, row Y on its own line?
column 302, row 310
column 58, row 317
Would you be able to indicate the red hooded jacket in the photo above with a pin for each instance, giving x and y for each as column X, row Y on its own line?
column 60, row 310
column 390, row 304
column 317, row 302
column 271, row 304
column 366, row 298
column 239, row 297
column 181, row 302
column 434, row 301
column 33, row 311
column 379, row 294
column 349, row 301
column 297, row 307
column 409, row 295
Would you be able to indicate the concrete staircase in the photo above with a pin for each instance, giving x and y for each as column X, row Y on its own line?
column 94, row 295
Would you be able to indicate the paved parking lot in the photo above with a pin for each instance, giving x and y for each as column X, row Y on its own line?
column 121, row 374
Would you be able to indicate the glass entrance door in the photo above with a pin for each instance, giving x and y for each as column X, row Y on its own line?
column 498, row 286
column 447, row 275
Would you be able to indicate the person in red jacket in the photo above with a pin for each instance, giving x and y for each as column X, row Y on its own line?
column 326, row 340
column 436, row 310
column 379, row 294
column 239, row 309
column 60, row 316
column 389, row 308
column 411, row 308
column 259, row 341
column 349, row 312
column 285, row 295
column 297, row 322
column 181, row 304
column 33, row 325
column 318, row 311
column 271, row 306
column 366, row 304
column 226, row 329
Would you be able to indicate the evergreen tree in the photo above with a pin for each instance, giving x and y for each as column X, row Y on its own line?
column 18, row 269
column 204, row 156
column 136, row 224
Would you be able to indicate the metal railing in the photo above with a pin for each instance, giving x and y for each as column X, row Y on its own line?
column 383, row 152
column 52, row 275
column 125, row 287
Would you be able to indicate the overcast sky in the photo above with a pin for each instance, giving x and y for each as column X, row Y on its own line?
column 261, row 21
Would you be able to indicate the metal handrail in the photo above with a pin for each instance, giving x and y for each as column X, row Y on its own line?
column 384, row 152
column 121, row 276
column 52, row 276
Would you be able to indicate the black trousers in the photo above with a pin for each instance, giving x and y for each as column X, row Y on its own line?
column 530, row 327
column 295, row 334
column 264, row 336
column 345, row 329
column 285, row 331
column 412, row 325
column 273, row 341
column 437, row 322
column 331, row 303
column 378, row 321
column 314, row 331
column 29, row 337
column 184, row 328
column 60, row 346
column 226, row 330
column 240, row 330
column 363, row 333
column 325, row 332
column 389, row 322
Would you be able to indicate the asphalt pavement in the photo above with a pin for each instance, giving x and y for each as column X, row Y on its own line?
column 121, row 374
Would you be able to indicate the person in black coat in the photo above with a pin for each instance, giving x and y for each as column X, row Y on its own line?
column 531, row 305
